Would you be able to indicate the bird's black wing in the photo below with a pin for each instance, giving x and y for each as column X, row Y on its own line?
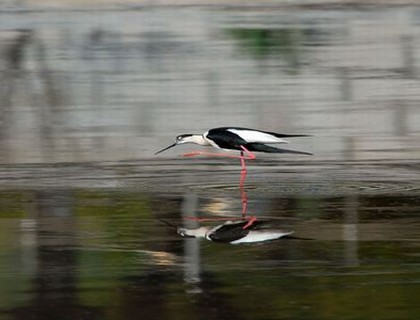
column 260, row 147
column 225, row 139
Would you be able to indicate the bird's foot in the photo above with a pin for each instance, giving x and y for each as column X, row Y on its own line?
column 251, row 221
column 191, row 154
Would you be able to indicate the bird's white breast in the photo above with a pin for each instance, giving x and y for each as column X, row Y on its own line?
column 251, row 136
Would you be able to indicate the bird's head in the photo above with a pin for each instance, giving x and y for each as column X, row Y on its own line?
column 193, row 233
column 184, row 138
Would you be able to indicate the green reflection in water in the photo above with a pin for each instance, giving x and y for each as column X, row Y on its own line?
column 12, row 203
column 109, row 254
column 323, row 286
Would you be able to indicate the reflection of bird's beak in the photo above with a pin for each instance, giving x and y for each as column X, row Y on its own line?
column 172, row 145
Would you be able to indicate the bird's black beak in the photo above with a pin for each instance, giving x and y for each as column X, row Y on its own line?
column 172, row 145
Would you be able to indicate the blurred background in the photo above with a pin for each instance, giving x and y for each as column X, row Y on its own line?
column 117, row 80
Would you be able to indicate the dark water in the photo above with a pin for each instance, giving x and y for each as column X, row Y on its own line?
column 97, row 254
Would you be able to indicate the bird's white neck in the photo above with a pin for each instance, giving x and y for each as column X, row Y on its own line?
column 197, row 139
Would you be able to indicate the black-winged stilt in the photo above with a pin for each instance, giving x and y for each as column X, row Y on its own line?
column 235, row 232
column 245, row 140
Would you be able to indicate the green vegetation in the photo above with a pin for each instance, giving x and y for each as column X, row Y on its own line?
column 261, row 43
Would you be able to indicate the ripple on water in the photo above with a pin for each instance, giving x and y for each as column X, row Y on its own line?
column 315, row 188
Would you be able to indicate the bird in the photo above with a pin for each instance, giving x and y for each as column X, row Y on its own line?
column 235, row 232
column 241, row 139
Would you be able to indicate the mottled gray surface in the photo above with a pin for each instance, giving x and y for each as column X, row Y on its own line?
column 218, row 177
column 116, row 84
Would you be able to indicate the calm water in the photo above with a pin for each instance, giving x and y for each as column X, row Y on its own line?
column 88, row 214
column 106, row 254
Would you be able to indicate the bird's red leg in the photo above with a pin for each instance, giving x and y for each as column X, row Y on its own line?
column 249, row 156
column 203, row 153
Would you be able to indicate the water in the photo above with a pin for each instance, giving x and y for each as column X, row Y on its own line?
column 87, row 254
column 88, row 214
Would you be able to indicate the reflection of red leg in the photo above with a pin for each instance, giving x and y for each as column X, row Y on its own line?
column 243, row 171
column 251, row 221
column 244, row 198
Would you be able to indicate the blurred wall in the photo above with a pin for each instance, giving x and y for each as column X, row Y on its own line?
column 119, row 83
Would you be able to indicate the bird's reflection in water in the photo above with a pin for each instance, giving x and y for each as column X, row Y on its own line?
column 236, row 232
column 218, row 227
column 233, row 230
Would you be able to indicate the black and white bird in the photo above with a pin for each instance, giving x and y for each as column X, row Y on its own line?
column 235, row 232
column 244, row 140
column 237, row 138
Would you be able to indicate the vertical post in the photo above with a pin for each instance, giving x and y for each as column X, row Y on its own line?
column 346, row 87
column 408, row 57
column 400, row 119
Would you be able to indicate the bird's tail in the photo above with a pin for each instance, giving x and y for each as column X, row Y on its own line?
column 282, row 135
column 260, row 147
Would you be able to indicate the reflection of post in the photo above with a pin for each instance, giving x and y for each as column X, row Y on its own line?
column 350, row 231
column 28, row 239
column 54, row 291
column 191, row 245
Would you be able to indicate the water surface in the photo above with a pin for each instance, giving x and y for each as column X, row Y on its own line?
column 87, row 254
